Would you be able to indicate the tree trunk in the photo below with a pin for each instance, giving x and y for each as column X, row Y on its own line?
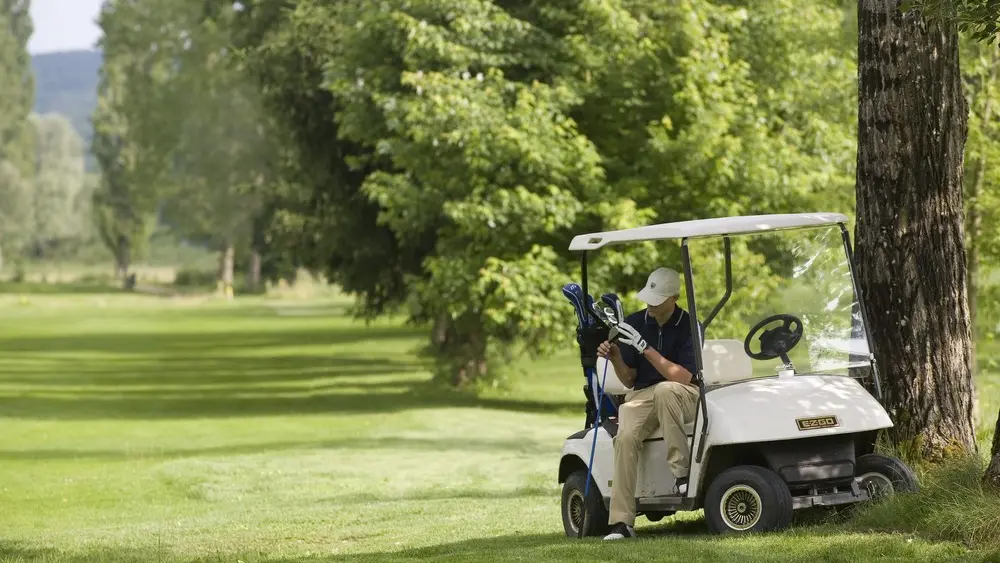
column 460, row 346
column 440, row 330
column 912, row 125
column 226, row 261
column 992, row 477
column 122, row 254
column 253, row 276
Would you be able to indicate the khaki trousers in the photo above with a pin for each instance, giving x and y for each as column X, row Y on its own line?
column 671, row 404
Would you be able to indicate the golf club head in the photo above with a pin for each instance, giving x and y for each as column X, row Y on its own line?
column 616, row 303
column 605, row 314
column 574, row 293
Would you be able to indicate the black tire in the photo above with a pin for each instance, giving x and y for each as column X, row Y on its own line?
column 756, row 500
column 596, row 521
column 885, row 476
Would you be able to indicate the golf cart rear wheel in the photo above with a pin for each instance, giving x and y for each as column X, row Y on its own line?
column 884, row 476
column 577, row 511
column 746, row 499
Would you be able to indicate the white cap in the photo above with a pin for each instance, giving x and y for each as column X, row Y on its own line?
column 662, row 284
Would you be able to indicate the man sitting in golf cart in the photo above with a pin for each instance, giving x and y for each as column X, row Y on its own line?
column 655, row 357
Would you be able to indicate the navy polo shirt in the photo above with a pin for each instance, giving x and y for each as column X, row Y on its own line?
column 672, row 340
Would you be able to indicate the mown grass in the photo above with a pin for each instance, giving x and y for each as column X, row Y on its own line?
column 137, row 428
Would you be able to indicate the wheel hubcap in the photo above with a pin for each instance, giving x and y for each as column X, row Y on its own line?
column 576, row 510
column 879, row 486
column 740, row 507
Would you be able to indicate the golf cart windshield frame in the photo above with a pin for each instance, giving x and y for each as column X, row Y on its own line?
column 692, row 309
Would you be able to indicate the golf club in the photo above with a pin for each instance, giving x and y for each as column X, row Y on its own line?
column 605, row 315
column 612, row 300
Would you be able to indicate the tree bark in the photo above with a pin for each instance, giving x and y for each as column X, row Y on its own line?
column 253, row 276
column 912, row 126
column 226, row 266
column 462, row 344
column 441, row 330
column 992, row 477
column 122, row 254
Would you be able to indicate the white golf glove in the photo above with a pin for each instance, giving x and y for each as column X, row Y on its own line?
column 628, row 335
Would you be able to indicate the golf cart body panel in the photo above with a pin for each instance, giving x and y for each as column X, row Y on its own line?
column 576, row 453
column 792, row 407
column 706, row 227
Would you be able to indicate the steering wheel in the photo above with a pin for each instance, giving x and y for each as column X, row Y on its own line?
column 775, row 342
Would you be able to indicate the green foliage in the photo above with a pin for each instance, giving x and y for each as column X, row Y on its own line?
column 438, row 155
column 15, row 211
column 204, row 279
column 981, row 71
column 179, row 128
column 979, row 18
column 59, row 191
column 17, row 87
column 981, row 74
column 720, row 122
column 317, row 215
column 16, row 150
column 469, row 141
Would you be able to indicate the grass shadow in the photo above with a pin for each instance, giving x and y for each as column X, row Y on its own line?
column 159, row 405
column 216, row 374
column 680, row 547
column 443, row 444
column 76, row 288
column 193, row 343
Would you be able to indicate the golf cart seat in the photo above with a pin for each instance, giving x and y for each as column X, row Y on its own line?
column 724, row 361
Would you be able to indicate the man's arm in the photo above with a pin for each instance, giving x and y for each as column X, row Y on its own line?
column 669, row 370
column 625, row 373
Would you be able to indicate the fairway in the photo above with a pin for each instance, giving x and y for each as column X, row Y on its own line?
column 139, row 428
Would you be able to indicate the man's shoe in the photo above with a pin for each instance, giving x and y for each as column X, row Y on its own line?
column 681, row 486
column 621, row 531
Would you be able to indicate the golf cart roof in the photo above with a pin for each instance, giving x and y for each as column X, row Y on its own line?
column 706, row 228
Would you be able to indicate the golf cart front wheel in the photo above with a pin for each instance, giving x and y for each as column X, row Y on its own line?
column 748, row 498
column 884, row 476
column 578, row 511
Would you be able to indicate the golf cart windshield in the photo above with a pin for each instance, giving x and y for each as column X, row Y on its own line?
column 790, row 275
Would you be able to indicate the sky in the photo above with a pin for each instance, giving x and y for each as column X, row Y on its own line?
column 64, row 25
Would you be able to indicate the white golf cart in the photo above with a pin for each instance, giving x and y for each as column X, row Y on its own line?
column 787, row 419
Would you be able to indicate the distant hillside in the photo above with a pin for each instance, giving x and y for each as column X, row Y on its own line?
column 66, row 83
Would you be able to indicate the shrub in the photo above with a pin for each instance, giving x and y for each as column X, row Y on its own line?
column 195, row 278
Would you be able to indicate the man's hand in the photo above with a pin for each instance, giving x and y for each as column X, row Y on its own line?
column 613, row 353
column 609, row 350
column 628, row 335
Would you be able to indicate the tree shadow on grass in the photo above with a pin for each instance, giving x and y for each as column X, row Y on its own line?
column 154, row 406
column 682, row 542
column 407, row 444
column 194, row 343
column 212, row 375
column 77, row 288
column 678, row 546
